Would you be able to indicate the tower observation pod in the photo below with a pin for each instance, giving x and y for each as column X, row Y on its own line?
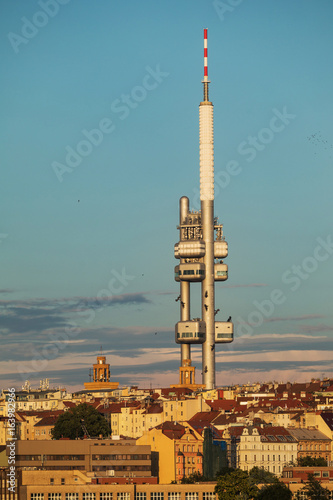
column 200, row 251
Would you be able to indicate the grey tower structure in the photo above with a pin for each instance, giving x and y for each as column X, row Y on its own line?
column 200, row 251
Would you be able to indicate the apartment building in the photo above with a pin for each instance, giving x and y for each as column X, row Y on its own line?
column 118, row 458
column 268, row 447
column 182, row 410
column 131, row 419
column 312, row 443
column 179, row 448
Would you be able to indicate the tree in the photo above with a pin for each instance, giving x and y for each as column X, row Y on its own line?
column 69, row 424
column 312, row 462
column 195, row 477
column 275, row 491
column 259, row 475
column 314, row 490
column 235, row 485
column 223, row 471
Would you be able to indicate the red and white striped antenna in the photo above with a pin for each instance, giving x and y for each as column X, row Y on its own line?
column 205, row 81
column 205, row 56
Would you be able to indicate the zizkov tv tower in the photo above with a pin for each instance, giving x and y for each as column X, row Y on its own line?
column 200, row 250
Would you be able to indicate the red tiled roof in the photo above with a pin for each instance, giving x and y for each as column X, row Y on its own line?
column 224, row 419
column 51, row 420
column 155, row 408
column 204, row 417
column 171, row 429
column 69, row 404
column 328, row 419
column 116, row 407
column 41, row 414
column 224, row 404
column 236, row 430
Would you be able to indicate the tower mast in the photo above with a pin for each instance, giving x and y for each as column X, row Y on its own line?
column 206, row 139
column 199, row 249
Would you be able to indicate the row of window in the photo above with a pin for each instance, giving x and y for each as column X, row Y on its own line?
column 190, row 460
column 274, row 469
column 189, row 448
column 141, row 495
column 303, row 496
column 186, row 472
column 121, row 457
column 269, row 458
column 190, row 335
column 316, row 473
column 314, row 447
column 190, row 272
column 122, row 468
column 49, row 457
column 265, row 446
column 82, row 457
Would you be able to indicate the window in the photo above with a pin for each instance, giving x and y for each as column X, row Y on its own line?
column 72, row 496
column 174, row 495
column 54, row 496
column 208, row 495
column 88, row 496
column 325, row 474
column 123, row 496
column 191, row 495
column 51, row 480
column 156, row 495
column 108, row 496
column 36, row 496
column 62, row 480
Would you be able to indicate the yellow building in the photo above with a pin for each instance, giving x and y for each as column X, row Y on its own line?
column 181, row 410
column 179, row 448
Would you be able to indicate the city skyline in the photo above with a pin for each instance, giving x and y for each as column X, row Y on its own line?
column 101, row 139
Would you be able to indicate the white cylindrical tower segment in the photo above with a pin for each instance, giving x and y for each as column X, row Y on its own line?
column 206, row 138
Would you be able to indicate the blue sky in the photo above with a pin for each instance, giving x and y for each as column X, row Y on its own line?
column 100, row 140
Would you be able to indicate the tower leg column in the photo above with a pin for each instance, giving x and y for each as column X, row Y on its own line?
column 207, row 295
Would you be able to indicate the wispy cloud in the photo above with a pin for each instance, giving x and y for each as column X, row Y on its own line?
column 38, row 315
column 295, row 318
column 316, row 328
column 32, row 328
column 249, row 285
